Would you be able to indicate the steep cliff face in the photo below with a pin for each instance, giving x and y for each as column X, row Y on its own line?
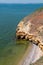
column 31, row 28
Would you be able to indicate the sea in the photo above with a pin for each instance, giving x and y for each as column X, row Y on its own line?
column 10, row 16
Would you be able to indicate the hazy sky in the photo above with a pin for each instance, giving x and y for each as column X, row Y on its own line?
column 21, row 1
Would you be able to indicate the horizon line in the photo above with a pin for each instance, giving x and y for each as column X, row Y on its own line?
column 21, row 3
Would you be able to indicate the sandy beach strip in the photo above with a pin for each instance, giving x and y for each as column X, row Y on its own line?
column 26, row 54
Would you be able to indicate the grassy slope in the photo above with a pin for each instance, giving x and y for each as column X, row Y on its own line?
column 12, row 53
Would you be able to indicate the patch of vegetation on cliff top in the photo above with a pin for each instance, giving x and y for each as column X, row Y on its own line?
column 40, row 9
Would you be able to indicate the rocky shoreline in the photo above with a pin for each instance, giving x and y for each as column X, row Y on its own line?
column 31, row 29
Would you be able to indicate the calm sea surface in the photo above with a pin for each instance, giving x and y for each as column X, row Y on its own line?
column 10, row 15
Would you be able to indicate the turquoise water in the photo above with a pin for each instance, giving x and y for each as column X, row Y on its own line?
column 10, row 15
